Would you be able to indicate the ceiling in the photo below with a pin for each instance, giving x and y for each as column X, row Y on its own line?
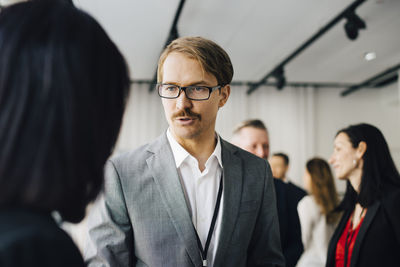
column 258, row 35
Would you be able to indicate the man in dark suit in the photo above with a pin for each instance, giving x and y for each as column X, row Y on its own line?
column 252, row 135
column 188, row 198
column 279, row 163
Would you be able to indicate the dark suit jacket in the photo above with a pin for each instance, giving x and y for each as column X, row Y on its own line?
column 378, row 241
column 33, row 239
column 287, row 197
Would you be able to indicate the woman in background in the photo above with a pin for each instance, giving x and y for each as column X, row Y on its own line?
column 316, row 212
column 63, row 85
column 368, row 234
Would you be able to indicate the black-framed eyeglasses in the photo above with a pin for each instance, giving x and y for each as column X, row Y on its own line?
column 194, row 92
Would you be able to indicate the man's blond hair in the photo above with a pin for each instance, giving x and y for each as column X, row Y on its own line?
column 212, row 58
column 253, row 123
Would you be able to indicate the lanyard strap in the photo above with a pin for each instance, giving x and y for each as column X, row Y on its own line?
column 204, row 251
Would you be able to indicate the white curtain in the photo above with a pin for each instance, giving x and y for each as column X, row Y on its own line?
column 144, row 118
column 288, row 115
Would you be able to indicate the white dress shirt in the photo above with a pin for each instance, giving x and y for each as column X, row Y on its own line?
column 201, row 189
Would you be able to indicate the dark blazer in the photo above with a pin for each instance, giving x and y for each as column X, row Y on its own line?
column 378, row 241
column 33, row 239
column 287, row 197
column 142, row 218
column 296, row 193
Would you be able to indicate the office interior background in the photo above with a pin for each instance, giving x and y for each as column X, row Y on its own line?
column 306, row 68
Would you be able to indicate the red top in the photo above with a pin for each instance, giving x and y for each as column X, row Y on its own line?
column 351, row 236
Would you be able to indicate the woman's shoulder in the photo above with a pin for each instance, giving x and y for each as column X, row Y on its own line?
column 29, row 236
column 308, row 205
column 308, row 200
column 391, row 200
column 391, row 206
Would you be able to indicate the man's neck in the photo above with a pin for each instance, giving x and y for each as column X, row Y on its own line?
column 200, row 148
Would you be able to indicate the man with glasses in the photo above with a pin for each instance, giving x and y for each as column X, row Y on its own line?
column 189, row 198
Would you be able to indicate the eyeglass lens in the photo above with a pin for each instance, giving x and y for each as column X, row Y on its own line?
column 192, row 92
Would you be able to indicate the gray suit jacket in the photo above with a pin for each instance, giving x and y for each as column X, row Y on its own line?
column 142, row 218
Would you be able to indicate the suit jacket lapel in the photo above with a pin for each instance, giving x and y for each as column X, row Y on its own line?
column 360, row 236
column 163, row 168
column 232, row 165
column 371, row 212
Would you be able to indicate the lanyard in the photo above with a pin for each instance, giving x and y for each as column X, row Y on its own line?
column 204, row 251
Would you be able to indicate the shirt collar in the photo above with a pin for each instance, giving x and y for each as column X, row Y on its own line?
column 180, row 154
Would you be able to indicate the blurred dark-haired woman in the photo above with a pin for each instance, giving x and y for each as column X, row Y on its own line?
column 317, row 214
column 63, row 85
column 369, row 232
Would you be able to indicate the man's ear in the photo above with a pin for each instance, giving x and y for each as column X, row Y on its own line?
column 361, row 148
column 224, row 95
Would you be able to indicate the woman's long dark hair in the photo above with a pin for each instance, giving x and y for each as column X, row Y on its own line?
column 379, row 173
column 63, row 85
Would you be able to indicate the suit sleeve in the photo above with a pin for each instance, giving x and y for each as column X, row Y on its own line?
column 294, row 246
column 110, row 238
column 265, row 247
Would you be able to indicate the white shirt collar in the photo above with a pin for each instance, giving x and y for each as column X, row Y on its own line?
column 180, row 154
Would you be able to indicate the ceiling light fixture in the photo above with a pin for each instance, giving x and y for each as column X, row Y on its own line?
column 353, row 25
column 369, row 56
column 279, row 75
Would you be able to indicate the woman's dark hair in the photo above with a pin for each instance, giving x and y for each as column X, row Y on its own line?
column 63, row 85
column 323, row 188
column 379, row 172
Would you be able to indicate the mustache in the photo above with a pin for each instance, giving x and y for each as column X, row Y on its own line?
column 186, row 113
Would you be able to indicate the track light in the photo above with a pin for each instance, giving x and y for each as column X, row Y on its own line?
column 353, row 25
column 279, row 75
